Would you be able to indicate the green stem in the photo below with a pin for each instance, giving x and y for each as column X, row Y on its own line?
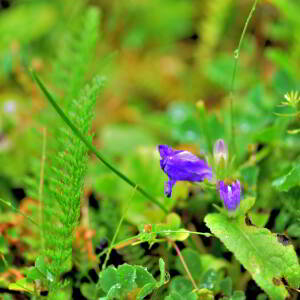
column 19, row 212
column 76, row 131
column 137, row 238
column 236, row 59
column 116, row 233
column 202, row 114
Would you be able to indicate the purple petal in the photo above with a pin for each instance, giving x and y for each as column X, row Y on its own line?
column 230, row 194
column 182, row 165
column 188, row 167
column 223, row 189
column 236, row 192
column 165, row 151
column 168, row 187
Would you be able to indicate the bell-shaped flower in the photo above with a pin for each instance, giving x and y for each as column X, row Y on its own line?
column 182, row 165
column 230, row 194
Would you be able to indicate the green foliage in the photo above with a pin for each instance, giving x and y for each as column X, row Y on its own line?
column 291, row 179
column 118, row 283
column 181, row 288
column 66, row 185
column 262, row 253
column 171, row 229
column 75, row 54
column 141, row 28
column 14, row 26
column 162, row 57
column 66, row 163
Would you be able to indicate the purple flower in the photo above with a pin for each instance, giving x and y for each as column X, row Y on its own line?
column 182, row 165
column 220, row 151
column 230, row 194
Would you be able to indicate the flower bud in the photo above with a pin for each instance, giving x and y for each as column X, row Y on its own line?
column 220, row 151
column 230, row 194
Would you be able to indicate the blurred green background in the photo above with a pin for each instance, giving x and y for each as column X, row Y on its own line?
column 159, row 58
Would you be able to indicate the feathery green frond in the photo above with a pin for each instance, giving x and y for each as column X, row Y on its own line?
column 75, row 54
column 67, row 179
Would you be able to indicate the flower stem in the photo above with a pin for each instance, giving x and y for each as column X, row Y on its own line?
column 184, row 264
column 117, row 231
column 19, row 212
column 202, row 114
column 76, row 131
column 236, row 59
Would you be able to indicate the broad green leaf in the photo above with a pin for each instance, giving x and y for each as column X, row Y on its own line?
column 171, row 229
column 146, row 290
column 209, row 280
column 226, row 286
column 180, row 235
column 108, row 278
column 162, row 269
column 191, row 296
column 282, row 220
column 261, row 252
column 294, row 230
column 115, row 292
column 260, row 219
column 181, row 285
column 89, row 290
column 174, row 296
column 246, row 205
column 291, row 179
column 173, row 220
column 238, row 295
column 209, row 261
column 119, row 282
column 173, row 223
column 268, row 134
column 126, row 275
column 143, row 277
column 250, row 175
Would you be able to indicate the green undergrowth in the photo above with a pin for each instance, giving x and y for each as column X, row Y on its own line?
column 89, row 91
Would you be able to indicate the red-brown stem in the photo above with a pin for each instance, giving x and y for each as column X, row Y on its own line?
column 184, row 264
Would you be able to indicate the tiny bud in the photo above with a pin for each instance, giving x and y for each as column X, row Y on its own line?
column 148, row 228
column 220, row 151
column 200, row 104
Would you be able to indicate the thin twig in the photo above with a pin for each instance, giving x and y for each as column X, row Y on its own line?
column 117, row 230
column 184, row 264
column 236, row 59
column 19, row 212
